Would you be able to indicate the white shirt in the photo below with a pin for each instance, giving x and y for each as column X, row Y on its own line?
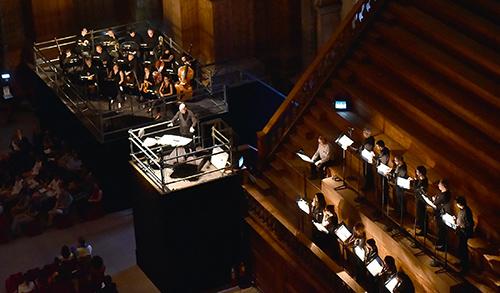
column 324, row 153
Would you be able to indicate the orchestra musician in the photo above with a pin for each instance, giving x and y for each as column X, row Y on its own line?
column 69, row 62
column 150, row 41
column 167, row 58
column 367, row 144
column 88, row 75
column 101, row 57
column 117, row 79
column 185, row 74
column 83, row 43
column 166, row 87
column 133, row 36
column 131, row 70
column 111, row 43
column 318, row 205
column 147, row 87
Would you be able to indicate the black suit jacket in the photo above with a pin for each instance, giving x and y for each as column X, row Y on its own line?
column 443, row 203
column 186, row 121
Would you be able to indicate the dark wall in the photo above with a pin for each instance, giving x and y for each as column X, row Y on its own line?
column 188, row 240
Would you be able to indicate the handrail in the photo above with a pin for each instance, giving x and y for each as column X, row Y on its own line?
column 311, row 81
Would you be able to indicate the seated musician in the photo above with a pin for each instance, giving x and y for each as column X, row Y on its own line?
column 166, row 87
column 151, row 41
column 185, row 74
column 69, row 62
column 133, row 36
column 88, row 75
column 168, row 58
column 146, row 87
column 131, row 69
column 322, row 158
column 83, row 42
column 111, row 43
column 101, row 57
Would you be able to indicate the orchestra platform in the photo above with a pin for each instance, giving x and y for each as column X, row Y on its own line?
column 110, row 121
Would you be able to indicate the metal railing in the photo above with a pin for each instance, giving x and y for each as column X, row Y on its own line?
column 153, row 161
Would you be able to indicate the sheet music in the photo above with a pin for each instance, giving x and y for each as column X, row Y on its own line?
column 304, row 206
column 375, row 267
column 403, row 182
column 344, row 142
column 305, row 158
column 149, row 142
column 174, row 140
column 360, row 253
column 428, row 201
column 320, row 227
column 383, row 169
column 392, row 284
column 450, row 221
column 368, row 156
column 343, row 233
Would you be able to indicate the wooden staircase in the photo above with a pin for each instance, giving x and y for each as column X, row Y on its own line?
column 425, row 76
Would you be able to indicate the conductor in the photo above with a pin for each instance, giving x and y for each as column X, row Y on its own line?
column 186, row 119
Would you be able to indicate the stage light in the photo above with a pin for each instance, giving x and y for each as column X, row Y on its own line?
column 6, row 76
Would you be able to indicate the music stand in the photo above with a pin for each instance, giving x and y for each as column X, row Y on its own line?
column 304, row 157
column 343, row 234
column 375, row 266
column 384, row 170
column 344, row 142
column 451, row 223
column 403, row 182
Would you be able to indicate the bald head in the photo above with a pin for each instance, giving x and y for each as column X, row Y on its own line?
column 182, row 108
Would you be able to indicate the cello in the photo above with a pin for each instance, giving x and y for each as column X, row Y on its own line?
column 183, row 86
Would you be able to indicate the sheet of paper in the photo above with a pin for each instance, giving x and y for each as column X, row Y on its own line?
column 343, row 233
column 375, row 266
column 391, row 284
column 305, row 158
column 367, row 156
column 360, row 253
column 303, row 206
column 449, row 220
column 403, row 182
column 383, row 169
column 344, row 142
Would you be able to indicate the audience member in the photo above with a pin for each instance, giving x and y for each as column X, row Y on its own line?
column 27, row 285
column 83, row 249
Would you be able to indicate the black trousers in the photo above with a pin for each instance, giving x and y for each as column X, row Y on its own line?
column 367, row 176
column 400, row 198
column 463, row 253
column 420, row 214
column 441, row 231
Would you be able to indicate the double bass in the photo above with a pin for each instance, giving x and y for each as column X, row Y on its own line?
column 183, row 86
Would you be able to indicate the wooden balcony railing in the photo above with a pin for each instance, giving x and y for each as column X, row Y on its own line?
column 295, row 241
column 311, row 81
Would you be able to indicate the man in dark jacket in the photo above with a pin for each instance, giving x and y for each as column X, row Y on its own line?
column 186, row 119
column 465, row 227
